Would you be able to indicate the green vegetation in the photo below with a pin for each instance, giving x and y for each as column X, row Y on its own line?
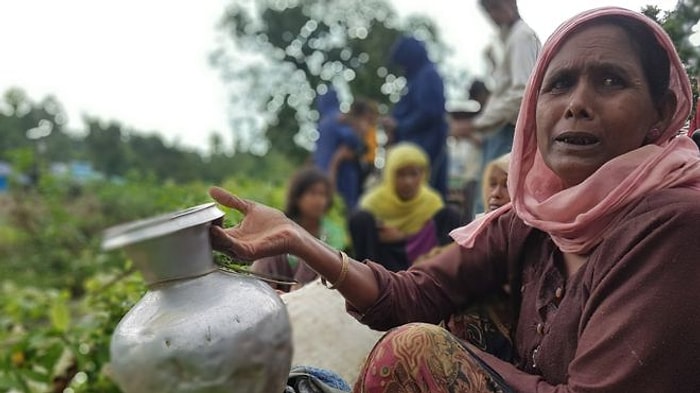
column 64, row 296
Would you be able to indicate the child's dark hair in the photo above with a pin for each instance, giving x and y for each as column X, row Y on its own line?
column 363, row 107
column 304, row 179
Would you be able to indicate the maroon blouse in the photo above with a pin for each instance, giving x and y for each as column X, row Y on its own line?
column 627, row 321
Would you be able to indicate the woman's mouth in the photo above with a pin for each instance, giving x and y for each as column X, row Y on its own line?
column 577, row 140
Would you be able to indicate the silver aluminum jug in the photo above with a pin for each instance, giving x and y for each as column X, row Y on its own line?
column 197, row 329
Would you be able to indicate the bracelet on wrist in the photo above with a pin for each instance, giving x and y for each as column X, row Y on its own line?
column 344, row 267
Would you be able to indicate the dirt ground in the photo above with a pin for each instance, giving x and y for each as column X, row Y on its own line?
column 324, row 334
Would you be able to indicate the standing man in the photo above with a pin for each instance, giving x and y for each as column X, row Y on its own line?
column 420, row 116
column 496, row 122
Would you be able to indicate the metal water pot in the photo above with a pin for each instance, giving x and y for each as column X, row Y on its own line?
column 197, row 329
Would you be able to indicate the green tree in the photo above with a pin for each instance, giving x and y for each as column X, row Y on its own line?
column 278, row 55
column 216, row 144
column 679, row 24
column 116, row 151
column 26, row 124
column 151, row 155
column 105, row 147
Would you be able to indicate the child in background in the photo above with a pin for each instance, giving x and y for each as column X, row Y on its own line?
column 309, row 199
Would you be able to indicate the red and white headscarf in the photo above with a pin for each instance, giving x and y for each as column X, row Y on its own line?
column 579, row 217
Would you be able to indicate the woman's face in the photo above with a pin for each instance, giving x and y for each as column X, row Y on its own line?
column 594, row 103
column 314, row 201
column 408, row 180
column 497, row 189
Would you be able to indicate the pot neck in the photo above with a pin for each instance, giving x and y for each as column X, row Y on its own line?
column 183, row 254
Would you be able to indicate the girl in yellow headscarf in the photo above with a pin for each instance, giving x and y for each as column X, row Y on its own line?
column 401, row 218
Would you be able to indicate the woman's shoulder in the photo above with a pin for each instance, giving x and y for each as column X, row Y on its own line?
column 660, row 231
column 670, row 216
column 682, row 204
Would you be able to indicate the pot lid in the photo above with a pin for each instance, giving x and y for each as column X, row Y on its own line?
column 165, row 224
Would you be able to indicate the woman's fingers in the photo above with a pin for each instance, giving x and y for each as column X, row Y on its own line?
column 221, row 240
column 227, row 199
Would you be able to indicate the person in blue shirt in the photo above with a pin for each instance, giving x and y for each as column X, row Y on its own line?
column 328, row 109
column 337, row 149
column 420, row 115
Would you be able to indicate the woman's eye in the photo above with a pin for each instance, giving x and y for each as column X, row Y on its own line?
column 611, row 81
column 559, row 85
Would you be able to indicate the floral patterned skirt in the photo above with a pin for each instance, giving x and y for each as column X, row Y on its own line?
column 422, row 358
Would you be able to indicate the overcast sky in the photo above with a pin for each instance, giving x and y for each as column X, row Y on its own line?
column 144, row 62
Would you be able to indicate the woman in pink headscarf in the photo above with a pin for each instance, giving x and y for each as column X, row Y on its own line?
column 598, row 245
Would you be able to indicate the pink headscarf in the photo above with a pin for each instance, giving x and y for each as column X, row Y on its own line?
column 579, row 217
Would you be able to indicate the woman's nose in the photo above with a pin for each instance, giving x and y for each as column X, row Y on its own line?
column 580, row 104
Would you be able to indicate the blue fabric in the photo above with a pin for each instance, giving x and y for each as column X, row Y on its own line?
column 328, row 377
column 329, row 112
column 420, row 114
column 332, row 134
column 328, row 102
column 347, row 183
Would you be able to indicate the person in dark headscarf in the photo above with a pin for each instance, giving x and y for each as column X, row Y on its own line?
column 419, row 116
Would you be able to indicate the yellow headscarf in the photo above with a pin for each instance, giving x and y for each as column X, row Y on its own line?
column 383, row 202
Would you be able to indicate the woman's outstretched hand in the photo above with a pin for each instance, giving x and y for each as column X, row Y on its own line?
column 263, row 232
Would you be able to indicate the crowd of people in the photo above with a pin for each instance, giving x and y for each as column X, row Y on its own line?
column 573, row 273
column 406, row 209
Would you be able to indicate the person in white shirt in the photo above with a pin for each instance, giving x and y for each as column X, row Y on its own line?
column 496, row 122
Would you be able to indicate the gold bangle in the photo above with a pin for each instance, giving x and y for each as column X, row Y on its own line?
column 343, row 271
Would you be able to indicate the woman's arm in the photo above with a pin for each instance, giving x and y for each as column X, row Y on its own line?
column 380, row 298
column 359, row 287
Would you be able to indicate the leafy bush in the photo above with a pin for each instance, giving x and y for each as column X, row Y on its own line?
column 50, row 342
